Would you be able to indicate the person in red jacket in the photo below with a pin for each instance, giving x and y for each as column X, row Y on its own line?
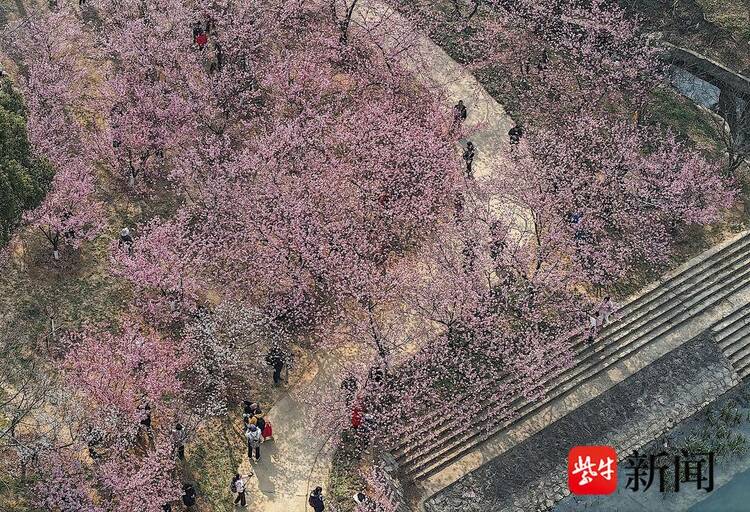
column 357, row 414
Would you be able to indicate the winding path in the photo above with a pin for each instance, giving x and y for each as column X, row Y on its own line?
column 297, row 460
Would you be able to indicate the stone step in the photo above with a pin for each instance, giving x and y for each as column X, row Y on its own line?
column 724, row 283
column 691, row 287
column 733, row 336
column 687, row 271
column 728, row 325
column 736, row 340
column 742, row 367
column 626, row 416
column 741, row 351
column 586, row 356
column 683, row 281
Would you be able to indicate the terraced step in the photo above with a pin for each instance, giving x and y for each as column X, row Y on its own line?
column 742, row 366
column 733, row 337
column 567, row 382
column 655, row 313
column 683, row 281
column 734, row 252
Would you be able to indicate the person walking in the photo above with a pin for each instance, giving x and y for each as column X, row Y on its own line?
column 361, row 499
column 260, row 422
column 146, row 419
column 349, row 386
column 146, row 423
column 254, row 438
column 316, row 500
column 126, row 239
column 239, row 483
column 469, row 154
column 606, row 308
column 515, row 134
column 178, row 440
column 189, row 496
column 459, row 112
column 275, row 358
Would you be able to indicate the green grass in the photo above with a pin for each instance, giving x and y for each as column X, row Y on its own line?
column 669, row 108
column 211, row 461
column 344, row 477
column 13, row 492
column 730, row 15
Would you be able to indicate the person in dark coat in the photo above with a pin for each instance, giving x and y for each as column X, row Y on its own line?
column 349, row 388
column 178, row 440
column 276, row 359
column 515, row 134
column 459, row 112
column 189, row 495
column 469, row 154
column 316, row 500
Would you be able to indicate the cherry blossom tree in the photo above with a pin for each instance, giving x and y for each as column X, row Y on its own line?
column 55, row 86
column 227, row 348
column 149, row 116
column 120, row 380
column 117, row 374
column 319, row 198
column 70, row 214
column 142, row 483
column 612, row 195
column 163, row 267
column 54, row 80
column 65, row 485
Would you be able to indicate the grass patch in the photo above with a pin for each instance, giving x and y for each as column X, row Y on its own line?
column 13, row 492
column 345, row 481
column 730, row 15
column 713, row 433
column 670, row 108
column 211, row 461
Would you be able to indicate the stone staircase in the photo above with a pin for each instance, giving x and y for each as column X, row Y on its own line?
column 702, row 288
column 733, row 336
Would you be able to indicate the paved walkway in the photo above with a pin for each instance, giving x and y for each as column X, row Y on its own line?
column 297, row 459
column 487, row 123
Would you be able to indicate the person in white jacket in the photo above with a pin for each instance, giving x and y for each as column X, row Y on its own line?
column 239, row 483
column 254, row 438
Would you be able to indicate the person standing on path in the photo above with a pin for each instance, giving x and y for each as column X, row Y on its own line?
column 316, row 500
column 459, row 113
column 178, row 440
column 469, row 154
column 275, row 358
column 238, row 486
column 515, row 134
column 260, row 422
column 254, row 438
